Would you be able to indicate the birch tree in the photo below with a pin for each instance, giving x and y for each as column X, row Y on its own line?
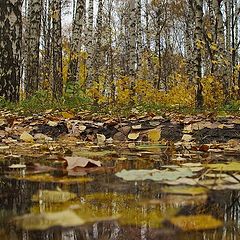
column 197, row 49
column 10, row 48
column 33, row 43
column 89, row 45
column 98, row 56
column 132, row 38
column 75, row 40
column 57, row 84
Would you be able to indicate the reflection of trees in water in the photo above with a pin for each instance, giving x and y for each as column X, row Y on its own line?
column 16, row 196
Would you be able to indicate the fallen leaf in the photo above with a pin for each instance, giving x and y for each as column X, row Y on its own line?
column 41, row 178
column 154, row 135
column 52, row 124
column 137, row 127
column 82, row 162
column 185, row 190
column 82, row 128
column 187, row 138
column 133, row 136
column 26, row 137
column 48, row 196
column 182, row 181
column 43, row 221
column 196, row 223
column 155, row 174
column 225, row 167
column 101, row 139
column 67, row 115
column 40, row 136
column 17, row 166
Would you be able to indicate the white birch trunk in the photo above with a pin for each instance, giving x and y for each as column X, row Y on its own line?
column 33, row 44
column 10, row 48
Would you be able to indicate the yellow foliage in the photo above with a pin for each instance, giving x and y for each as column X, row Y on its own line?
column 145, row 92
column 181, row 92
column 212, row 91
column 124, row 92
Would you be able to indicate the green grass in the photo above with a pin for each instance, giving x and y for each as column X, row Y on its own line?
column 76, row 100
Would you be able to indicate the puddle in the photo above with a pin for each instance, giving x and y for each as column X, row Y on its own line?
column 180, row 195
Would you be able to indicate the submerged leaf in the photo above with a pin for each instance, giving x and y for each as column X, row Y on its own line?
column 185, row 190
column 196, row 223
column 228, row 167
column 17, row 166
column 44, row 221
column 53, row 196
column 51, row 179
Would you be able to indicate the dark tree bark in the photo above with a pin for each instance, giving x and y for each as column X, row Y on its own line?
column 75, row 41
column 57, row 85
column 10, row 48
column 33, row 43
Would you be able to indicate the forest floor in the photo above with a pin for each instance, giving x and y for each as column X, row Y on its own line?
column 126, row 169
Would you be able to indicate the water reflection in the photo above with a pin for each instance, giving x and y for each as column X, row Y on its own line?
column 16, row 195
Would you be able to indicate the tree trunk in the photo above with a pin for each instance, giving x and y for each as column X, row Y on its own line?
column 75, row 41
column 57, row 84
column 33, row 42
column 139, row 32
column 46, row 59
column 198, row 55
column 222, row 71
column 89, row 80
column 189, row 38
column 132, row 40
column 97, row 64
column 10, row 48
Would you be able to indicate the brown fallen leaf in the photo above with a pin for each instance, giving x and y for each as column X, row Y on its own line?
column 82, row 162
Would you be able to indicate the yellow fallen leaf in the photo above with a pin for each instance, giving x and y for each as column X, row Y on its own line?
column 154, row 135
column 193, row 191
column 196, row 223
column 26, row 137
column 67, row 115
column 133, row 136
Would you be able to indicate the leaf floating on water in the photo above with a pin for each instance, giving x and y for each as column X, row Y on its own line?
column 196, row 223
column 44, row 221
column 48, row 196
column 182, row 181
column 82, row 162
column 155, row 175
column 193, row 191
column 17, row 166
column 228, row 167
column 26, row 137
column 51, row 179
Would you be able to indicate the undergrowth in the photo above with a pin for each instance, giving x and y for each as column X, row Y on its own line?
column 43, row 101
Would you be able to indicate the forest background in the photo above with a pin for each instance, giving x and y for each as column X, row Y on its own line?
column 116, row 55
